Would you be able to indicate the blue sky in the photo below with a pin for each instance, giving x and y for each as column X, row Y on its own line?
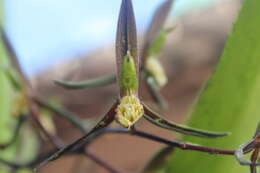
column 45, row 32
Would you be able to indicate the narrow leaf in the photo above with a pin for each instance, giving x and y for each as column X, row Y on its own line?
column 97, row 82
column 158, row 120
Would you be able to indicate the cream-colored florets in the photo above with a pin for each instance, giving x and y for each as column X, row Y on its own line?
column 155, row 68
column 129, row 111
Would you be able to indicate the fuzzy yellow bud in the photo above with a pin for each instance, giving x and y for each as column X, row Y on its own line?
column 129, row 111
column 154, row 67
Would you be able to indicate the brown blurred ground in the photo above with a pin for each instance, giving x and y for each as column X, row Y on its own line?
column 190, row 55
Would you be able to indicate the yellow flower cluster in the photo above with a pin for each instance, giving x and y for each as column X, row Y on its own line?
column 129, row 111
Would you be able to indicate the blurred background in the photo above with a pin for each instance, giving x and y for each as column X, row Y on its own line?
column 46, row 32
column 74, row 40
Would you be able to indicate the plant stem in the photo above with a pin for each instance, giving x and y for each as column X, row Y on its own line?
column 179, row 144
column 35, row 116
column 76, row 121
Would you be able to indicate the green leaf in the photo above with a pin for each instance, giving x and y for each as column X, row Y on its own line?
column 229, row 102
column 160, row 121
column 97, row 82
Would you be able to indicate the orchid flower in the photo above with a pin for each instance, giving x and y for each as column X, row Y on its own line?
column 154, row 73
column 128, row 108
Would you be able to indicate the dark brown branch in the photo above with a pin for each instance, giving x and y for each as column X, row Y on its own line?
column 179, row 144
column 79, row 144
column 60, row 144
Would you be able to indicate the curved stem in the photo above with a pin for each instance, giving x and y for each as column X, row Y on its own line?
column 86, row 140
column 179, row 144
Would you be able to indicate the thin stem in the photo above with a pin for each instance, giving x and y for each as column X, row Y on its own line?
column 86, row 140
column 58, row 143
column 78, row 123
column 53, row 139
column 254, row 158
column 179, row 144
column 155, row 92
column 72, row 118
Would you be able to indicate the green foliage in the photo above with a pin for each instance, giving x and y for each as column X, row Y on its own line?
column 5, row 94
column 9, row 84
column 97, row 82
column 229, row 102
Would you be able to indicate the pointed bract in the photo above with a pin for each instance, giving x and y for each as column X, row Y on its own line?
column 126, row 38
